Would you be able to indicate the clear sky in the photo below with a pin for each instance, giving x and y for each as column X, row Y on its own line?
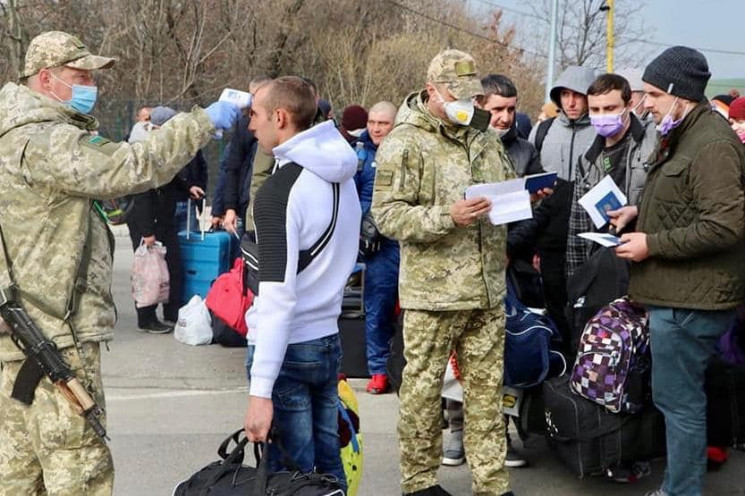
column 715, row 24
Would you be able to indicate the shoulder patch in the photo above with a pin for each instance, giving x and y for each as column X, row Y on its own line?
column 98, row 140
column 100, row 144
column 383, row 179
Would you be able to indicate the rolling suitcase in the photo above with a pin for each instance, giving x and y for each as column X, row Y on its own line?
column 589, row 439
column 725, row 409
column 204, row 256
column 352, row 326
column 353, row 346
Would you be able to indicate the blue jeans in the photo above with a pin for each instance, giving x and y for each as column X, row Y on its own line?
column 306, row 400
column 683, row 343
column 381, row 292
column 181, row 216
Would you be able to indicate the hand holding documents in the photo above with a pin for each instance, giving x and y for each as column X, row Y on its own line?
column 510, row 201
column 604, row 239
column 603, row 197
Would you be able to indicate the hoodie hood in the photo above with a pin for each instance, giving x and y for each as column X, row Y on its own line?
column 575, row 78
column 322, row 150
column 20, row 106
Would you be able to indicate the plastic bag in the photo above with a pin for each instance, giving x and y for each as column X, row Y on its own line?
column 150, row 278
column 194, row 326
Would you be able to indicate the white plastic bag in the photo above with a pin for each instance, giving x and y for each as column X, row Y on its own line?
column 194, row 326
column 150, row 278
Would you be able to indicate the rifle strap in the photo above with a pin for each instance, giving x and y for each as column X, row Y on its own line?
column 31, row 373
column 27, row 379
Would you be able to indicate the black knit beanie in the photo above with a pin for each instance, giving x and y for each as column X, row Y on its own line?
column 679, row 71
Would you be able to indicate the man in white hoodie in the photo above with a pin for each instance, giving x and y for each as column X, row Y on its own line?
column 307, row 218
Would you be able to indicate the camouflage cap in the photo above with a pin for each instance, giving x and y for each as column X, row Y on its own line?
column 55, row 48
column 457, row 71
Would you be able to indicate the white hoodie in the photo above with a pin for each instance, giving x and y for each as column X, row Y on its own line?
column 291, row 212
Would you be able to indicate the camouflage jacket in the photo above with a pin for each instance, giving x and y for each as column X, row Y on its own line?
column 51, row 169
column 424, row 166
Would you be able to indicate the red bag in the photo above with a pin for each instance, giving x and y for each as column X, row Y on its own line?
column 228, row 301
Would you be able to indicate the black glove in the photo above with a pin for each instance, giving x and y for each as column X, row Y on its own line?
column 370, row 237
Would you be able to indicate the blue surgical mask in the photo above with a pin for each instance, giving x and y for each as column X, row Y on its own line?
column 83, row 97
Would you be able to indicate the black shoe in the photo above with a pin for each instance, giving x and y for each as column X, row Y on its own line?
column 509, row 493
column 156, row 327
column 513, row 459
column 430, row 491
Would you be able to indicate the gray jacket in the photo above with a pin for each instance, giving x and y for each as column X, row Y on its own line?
column 566, row 139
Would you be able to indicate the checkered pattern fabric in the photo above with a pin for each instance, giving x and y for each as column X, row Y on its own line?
column 612, row 353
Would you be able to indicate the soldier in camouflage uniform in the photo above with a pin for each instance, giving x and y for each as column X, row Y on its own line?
column 452, row 273
column 52, row 168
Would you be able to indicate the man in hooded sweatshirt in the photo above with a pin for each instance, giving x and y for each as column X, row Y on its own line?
column 307, row 209
column 52, row 169
column 561, row 141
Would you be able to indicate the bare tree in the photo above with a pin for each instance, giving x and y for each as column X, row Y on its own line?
column 581, row 32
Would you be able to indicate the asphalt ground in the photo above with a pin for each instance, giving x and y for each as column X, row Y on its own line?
column 170, row 405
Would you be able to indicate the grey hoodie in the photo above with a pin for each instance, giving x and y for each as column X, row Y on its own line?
column 567, row 140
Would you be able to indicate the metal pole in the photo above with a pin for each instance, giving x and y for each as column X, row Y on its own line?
column 610, row 35
column 552, row 48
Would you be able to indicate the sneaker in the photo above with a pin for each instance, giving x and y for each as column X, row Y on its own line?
column 156, row 327
column 513, row 459
column 430, row 491
column 378, row 384
column 628, row 474
column 658, row 492
column 454, row 454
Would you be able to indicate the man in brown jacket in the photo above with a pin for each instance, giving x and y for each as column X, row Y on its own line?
column 689, row 252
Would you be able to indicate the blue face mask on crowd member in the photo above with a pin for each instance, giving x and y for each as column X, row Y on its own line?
column 83, row 98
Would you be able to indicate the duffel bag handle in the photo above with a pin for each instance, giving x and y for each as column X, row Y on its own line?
column 234, row 457
column 222, row 451
column 262, row 460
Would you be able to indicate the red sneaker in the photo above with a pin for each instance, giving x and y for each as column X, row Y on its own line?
column 378, row 384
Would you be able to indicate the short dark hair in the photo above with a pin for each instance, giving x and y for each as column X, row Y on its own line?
column 497, row 84
column 609, row 82
column 294, row 95
column 312, row 85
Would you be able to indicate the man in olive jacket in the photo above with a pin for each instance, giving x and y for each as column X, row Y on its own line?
column 689, row 252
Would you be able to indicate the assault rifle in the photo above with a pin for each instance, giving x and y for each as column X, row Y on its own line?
column 43, row 358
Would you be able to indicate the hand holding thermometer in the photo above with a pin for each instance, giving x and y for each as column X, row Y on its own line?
column 242, row 99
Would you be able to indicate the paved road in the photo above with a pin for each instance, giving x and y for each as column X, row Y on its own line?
column 170, row 405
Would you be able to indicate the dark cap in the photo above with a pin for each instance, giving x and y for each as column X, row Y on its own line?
column 679, row 71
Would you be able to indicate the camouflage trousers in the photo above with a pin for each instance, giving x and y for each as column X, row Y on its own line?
column 47, row 448
column 478, row 338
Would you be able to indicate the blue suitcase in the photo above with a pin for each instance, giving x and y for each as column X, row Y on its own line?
column 203, row 260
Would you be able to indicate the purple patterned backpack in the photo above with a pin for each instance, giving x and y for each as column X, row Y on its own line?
column 613, row 360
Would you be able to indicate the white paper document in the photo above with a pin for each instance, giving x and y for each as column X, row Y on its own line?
column 603, row 197
column 510, row 201
column 604, row 239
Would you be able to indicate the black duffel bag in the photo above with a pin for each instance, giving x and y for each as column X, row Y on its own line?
column 229, row 477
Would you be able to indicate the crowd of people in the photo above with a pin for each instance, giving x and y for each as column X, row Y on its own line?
column 384, row 186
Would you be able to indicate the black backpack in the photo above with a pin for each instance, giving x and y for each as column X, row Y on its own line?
column 601, row 279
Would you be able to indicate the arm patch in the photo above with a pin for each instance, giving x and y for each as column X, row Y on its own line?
column 383, row 179
column 100, row 144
